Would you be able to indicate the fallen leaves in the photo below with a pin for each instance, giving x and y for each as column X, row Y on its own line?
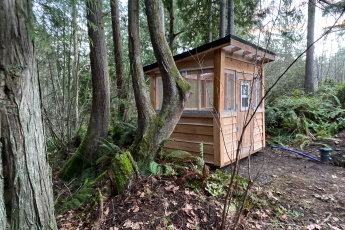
column 311, row 227
column 162, row 204
column 324, row 198
column 172, row 188
column 270, row 195
column 132, row 225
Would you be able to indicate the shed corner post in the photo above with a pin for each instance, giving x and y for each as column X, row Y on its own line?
column 218, row 103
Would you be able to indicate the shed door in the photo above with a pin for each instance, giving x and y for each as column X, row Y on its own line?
column 244, row 110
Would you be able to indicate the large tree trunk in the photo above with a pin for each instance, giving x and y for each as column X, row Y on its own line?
column 231, row 17
column 87, row 152
column 142, row 99
column 120, row 72
column 22, row 136
column 309, row 65
column 222, row 18
column 153, row 129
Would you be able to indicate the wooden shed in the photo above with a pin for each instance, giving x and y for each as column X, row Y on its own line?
column 227, row 86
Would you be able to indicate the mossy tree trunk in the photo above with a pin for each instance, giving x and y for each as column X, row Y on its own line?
column 123, row 168
column 154, row 128
column 23, row 154
column 87, row 153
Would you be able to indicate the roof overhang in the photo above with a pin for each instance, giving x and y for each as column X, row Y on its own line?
column 231, row 44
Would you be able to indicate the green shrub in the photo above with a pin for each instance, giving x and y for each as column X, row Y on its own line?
column 340, row 93
column 123, row 134
column 300, row 119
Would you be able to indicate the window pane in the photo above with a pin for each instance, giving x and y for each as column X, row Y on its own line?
column 245, row 91
column 257, row 93
column 193, row 100
column 209, row 93
column 207, row 89
column 245, row 103
column 159, row 97
column 229, row 92
column 201, row 82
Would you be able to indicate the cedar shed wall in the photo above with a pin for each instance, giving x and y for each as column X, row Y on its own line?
column 232, row 124
column 193, row 128
column 219, row 132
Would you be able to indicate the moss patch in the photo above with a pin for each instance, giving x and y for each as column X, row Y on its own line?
column 123, row 171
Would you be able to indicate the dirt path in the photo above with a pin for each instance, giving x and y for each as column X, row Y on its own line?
column 302, row 194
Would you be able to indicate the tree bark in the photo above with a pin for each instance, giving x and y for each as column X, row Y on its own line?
column 142, row 99
column 231, row 17
column 171, row 24
column 87, row 152
column 153, row 129
column 120, row 72
column 309, row 65
column 75, row 112
column 3, row 197
column 161, row 14
column 222, row 19
column 21, row 127
column 210, row 26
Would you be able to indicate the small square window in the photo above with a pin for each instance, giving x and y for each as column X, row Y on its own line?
column 245, row 95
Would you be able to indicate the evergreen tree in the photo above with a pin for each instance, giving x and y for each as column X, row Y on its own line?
column 28, row 195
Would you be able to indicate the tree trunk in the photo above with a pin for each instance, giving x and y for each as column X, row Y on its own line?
column 309, row 65
column 75, row 108
column 222, row 18
column 21, row 134
column 161, row 14
column 171, row 24
column 120, row 72
column 153, row 129
column 142, row 98
column 210, row 26
column 231, row 17
column 87, row 152
column 3, row 198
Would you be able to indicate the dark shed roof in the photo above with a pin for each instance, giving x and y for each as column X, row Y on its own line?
column 205, row 47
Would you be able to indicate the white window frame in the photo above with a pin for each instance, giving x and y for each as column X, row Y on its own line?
column 243, row 96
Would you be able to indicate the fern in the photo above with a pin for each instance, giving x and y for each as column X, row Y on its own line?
column 154, row 167
column 157, row 169
column 290, row 119
column 123, row 134
column 109, row 151
column 109, row 147
column 81, row 195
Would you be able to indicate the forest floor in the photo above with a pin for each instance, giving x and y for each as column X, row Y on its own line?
column 289, row 192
